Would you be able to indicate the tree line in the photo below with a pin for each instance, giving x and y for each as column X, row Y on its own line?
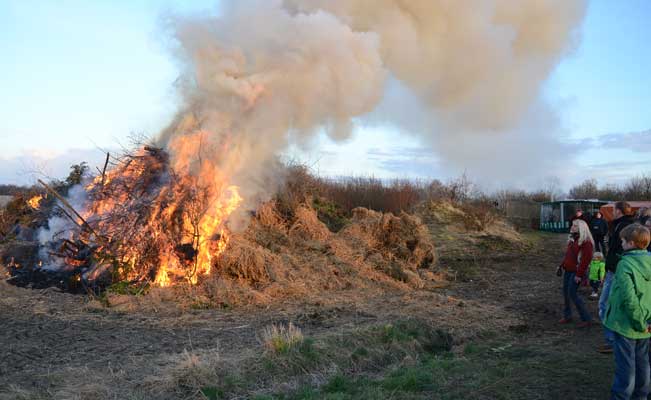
column 637, row 188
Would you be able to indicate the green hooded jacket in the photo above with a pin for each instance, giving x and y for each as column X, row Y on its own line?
column 629, row 304
column 597, row 270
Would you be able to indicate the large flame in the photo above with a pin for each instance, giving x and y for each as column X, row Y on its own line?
column 173, row 212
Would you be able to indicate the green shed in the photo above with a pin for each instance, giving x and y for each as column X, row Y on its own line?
column 555, row 215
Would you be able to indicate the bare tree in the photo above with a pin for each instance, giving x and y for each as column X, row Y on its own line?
column 638, row 188
column 588, row 189
column 461, row 189
column 552, row 187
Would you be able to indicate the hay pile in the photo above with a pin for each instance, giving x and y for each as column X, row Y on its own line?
column 276, row 258
column 455, row 230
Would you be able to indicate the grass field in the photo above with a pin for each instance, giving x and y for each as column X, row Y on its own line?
column 488, row 333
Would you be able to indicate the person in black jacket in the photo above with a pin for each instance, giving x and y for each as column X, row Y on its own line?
column 646, row 221
column 623, row 218
column 599, row 229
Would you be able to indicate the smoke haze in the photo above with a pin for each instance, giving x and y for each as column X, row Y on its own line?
column 469, row 77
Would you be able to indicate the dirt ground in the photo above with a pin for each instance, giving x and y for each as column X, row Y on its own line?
column 55, row 345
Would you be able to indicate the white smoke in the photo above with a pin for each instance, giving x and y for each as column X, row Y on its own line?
column 61, row 226
column 259, row 78
column 268, row 73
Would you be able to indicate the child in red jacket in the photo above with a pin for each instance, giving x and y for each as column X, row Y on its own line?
column 575, row 263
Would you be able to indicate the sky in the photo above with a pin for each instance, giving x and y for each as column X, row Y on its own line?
column 79, row 77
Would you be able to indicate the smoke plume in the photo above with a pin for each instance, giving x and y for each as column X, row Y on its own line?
column 268, row 73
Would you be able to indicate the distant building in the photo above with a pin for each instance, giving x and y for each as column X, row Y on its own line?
column 555, row 216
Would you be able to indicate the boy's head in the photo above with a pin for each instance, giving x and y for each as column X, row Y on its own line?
column 622, row 208
column 635, row 236
column 598, row 256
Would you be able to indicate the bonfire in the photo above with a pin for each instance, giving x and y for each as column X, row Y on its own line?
column 159, row 217
column 149, row 219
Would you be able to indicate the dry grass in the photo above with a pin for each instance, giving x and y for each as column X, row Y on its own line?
column 186, row 374
column 459, row 239
column 277, row 259
column 478, row 216
column 14, row 392
column 193, row 372
column 280, row 339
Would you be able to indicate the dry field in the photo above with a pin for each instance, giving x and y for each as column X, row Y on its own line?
column 487, row 331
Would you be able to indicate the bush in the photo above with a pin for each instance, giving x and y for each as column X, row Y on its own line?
column 298, row 188
column 330, row 213
column 478, row 216
column 338, row 197
column 280, row 339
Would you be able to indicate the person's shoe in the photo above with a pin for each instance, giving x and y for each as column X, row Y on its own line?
column 583, row 324
column 605, row 349
column 594, row 295
column 565, row 320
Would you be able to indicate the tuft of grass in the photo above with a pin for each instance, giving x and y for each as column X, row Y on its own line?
column 199, row 303
column 431, row 340
column 280, row 339
column 471, row 348
column 193, row 372
column 127, row 288
column 212, row 393
column 415, row 379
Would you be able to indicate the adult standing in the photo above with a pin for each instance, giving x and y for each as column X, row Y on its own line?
column 579, row 215
column 623, row 218
column 645, row 215
column 647, row 224
column 575, row 263
column 599, row 229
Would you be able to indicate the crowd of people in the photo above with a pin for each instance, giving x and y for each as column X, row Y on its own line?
column 620, row 276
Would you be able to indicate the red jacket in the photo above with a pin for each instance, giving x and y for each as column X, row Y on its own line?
column 577, row 258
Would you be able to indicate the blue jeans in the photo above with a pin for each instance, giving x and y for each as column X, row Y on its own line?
column 569, row 294
column 631, row 368
column 603, row 304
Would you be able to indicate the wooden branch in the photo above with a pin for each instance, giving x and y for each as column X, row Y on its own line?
column 71, row 243
column 69, row 216
column 70, row 207
column 104, row 169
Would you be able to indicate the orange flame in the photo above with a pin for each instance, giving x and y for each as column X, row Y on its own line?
column 192, row 232
column 35, row 202
column 209, row 239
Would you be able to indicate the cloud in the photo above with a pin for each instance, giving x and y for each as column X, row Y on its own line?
column 417, row 162
column 616, row 172
column 637, row 142
column 34, row 163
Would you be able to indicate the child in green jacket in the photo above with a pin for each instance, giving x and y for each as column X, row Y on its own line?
column 597, row 273
column 628, row 315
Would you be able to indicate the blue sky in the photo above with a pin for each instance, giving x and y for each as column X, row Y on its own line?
column 605, row 89
column 78, row 75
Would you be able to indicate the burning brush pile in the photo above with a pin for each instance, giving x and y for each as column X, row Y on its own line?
column 148, row 221
column 140, row 222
